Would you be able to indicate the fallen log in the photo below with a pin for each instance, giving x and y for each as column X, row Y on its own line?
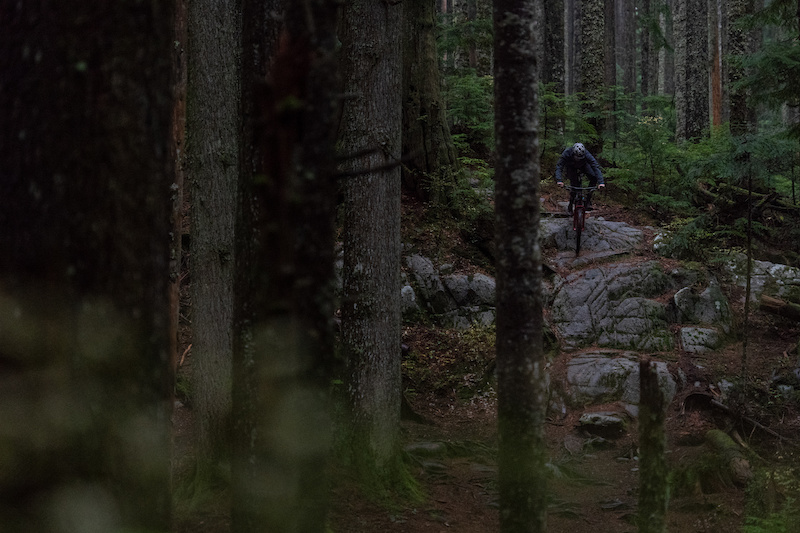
column 779, row 307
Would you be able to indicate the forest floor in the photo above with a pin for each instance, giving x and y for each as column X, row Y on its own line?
column 593, row 490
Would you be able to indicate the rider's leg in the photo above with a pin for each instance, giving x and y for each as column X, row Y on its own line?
column 575, row 181
column 592, row 183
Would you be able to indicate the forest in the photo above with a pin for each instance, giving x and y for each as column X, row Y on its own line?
column 304, row 266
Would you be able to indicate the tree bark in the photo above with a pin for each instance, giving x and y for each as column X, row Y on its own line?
column 592, row 70
column 520, row 357
column 430, row 157
column 84, row 265
column 626, row 48
column 371, row 125
column 742, row 43
column 552, row 46
column 653, row 482
column 692, row 69
column 213, row 125
column 283, row 349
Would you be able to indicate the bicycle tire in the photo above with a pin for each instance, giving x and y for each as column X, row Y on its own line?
column 579, row 221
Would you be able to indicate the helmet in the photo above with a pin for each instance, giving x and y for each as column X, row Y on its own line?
column 579, row 150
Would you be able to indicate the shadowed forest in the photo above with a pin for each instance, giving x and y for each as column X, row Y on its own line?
column 307, row 266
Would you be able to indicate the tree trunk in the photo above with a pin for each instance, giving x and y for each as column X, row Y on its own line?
column 592, row 70
column 520, row 357
column 653, row 482
column 666, row 56
column 213, row 128
column 283, row 349
column 84, row 265
column 610, row 73
column 692, row 69
column 742, row 43
column 649, row 54
column 178, row 143
column 716, row 46
column 572, row 32
column 626, row 48
column 552, row 46
column 371, row 127
column 427, row 145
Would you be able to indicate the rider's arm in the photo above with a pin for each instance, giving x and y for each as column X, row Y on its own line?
column 595, row 169
column 560, row 166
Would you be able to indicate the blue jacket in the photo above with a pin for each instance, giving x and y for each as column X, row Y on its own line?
column 588, row 165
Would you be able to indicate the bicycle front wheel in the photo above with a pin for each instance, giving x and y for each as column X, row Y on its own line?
column 579, row 220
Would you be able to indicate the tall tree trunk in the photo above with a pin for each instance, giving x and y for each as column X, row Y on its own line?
column 692, row 69
column 213, row 129
column 666, row 56
column 610, row 74
column 178, row 143
column 626, row 48
column 84, row 265
column 551, row 58
column 371, row 127
column 716, row 45
column 592, row 70
column 646, row 47
column 283, row 350
column 653, row 482
column 520, row 357
column 742, row 43
column 572, row 33
column 472, row 16
column 427, row 145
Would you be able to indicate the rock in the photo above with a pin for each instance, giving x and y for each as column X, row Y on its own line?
column 780, row 281
column 430, row 286
column 408, row 301
column 598, row 235
column 426, row 449
column 606, row 424
column 699, row 340
column 599, row 377
column 592, row 307
column 708, row 307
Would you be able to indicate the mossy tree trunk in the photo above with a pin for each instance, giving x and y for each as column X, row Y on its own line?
column 430, row 157
column 521, row 370
column 653, row 471
column 86, row 385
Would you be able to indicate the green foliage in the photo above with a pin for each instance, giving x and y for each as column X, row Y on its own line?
column 689, row 239
column 561, row 123
column 772, row 498
column 469, row 98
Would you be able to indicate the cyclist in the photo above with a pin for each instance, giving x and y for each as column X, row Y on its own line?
column 577, row 160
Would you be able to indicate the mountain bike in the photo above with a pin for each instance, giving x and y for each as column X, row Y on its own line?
column 579, row 212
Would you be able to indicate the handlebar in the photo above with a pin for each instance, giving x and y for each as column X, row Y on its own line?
column 571, row 188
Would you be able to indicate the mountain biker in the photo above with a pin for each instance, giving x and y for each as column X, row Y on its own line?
column 576, row 160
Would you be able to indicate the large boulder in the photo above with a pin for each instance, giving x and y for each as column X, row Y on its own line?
column 603, row 377
column 598, row 235
column 771, row 279
column 709, row 307
column 611, row 306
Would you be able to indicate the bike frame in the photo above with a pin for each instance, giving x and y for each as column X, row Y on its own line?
column 579, row 212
